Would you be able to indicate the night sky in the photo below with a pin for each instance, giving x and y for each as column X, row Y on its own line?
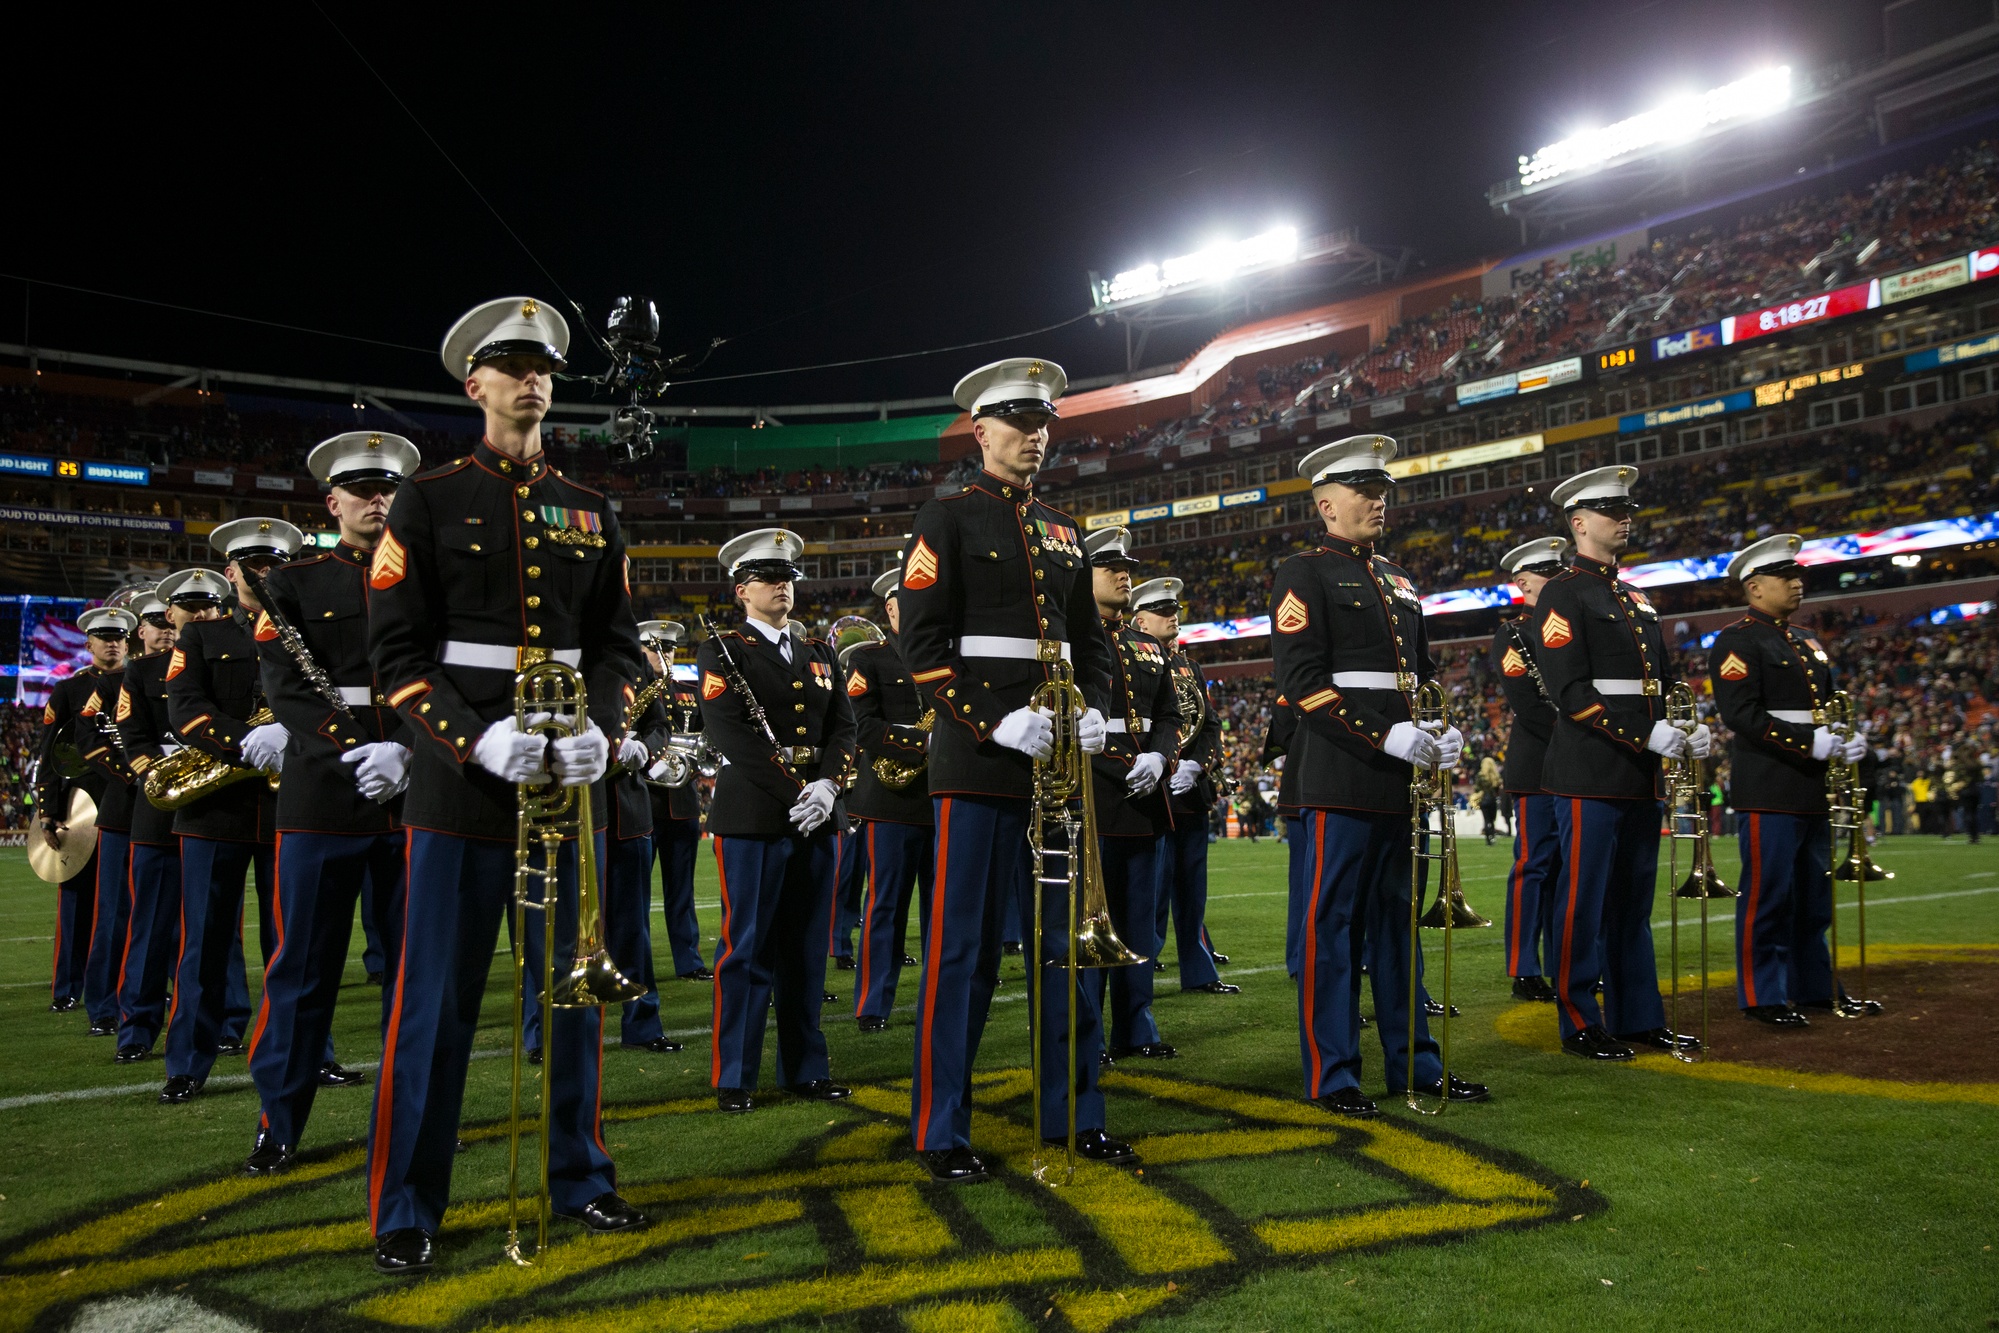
column 812, row 183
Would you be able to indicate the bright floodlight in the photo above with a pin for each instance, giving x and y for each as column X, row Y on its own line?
column 1271, row 248
column 1678, row 121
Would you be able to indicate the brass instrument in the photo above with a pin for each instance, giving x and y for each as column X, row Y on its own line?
column 1065, row 801
column 1846, row 802
column 897, row 776
column 636, row 709
column 848, row 634
column 187, row 775
column 1193, row 701
column 1686, row 806
column 1430, row 790
column 549, row 701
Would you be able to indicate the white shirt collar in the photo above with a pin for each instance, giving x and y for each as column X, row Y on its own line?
column 771, row 634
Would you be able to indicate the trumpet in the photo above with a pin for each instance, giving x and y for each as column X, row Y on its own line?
column 1686, row 798
column 1065, row 801
column 1846, row 802
column 686, row 754
column 549, row 700
column 1430, row 790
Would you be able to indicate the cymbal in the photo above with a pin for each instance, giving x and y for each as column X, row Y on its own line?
column 79, row 840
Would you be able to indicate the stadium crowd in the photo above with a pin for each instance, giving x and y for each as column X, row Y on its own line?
column 20, row 729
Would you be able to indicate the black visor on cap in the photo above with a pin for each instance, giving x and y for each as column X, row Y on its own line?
column 1166, row 606
column 1018, row 407
column 1114, row 560
column 493, row 351
column 194, row 599
column 767, row 571
column 1539, row 567
column 356, row 476
column 1373, row 476
column 105, row 632
column 1607, row 504
column 277, row 553
column 1783, row 569
column 157, row 619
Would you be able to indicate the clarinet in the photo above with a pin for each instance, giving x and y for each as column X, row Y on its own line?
column 294, row 643
column 1527, row 656
column 737, row 682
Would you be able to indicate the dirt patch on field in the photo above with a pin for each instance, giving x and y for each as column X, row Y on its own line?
column 1931, row 1030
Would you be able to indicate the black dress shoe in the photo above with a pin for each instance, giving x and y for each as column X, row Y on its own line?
column 658, row 1045
column 1461, row 1091
column 698, row 974
column 102, row 1030
column 1105, row 1059
column 1593, row 1043
column 1152, row 1050
column 1435, row 1009
column 954, row 1166
column 1348, row 1102
column 62, row 1006
column 845, row 962
column 1850, row 1008
column 1098, row 1147
column 534, row 1056
column 821, row 1090
column 333, row 1074
column 180, row 1088
column 1159, row 965
column 374, row 978
column 1217, row 988
column 1777, row 1016
column 735, row 1100
column 871, row 1023
column 131, row 1054
column 268, row 1157
column 1533, row 988
column 229, row 1048
column 405, row 1251
column 1367, row 1020
column 1011, row 948
column 606, row 1212
column 1221, row 959
column 909, row 960
column 1661, row 1039
column 831, row 998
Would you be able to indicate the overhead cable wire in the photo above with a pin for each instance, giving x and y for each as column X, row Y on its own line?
column 212, row 314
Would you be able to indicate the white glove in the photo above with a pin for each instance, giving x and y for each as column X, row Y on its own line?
column 815, row 805
column 383, row 769
column 1090, row 732
column 1824, row 743
column 580, row 760
column 1028, row 731
column 510, row 754
column 264, row 747
column 1408, row 742
column 1667, row 741
column 1450, row 748
column 1701, row 742
column 1184, row 777
column 632, row 753
column 1856, row 749
column 658, row 770
column 1145, row 773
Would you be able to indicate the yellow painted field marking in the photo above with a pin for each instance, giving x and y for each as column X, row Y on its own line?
column 893, row 1222
column 965, row 1317
column 1095, row 1311
column 1322, row 1235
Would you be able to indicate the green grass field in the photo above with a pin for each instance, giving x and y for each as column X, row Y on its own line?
column 1579, row 1197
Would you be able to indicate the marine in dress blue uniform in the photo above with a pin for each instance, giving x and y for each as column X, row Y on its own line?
column 213, row 694
column 1772, row 682
column 1350, row 649
column 1603, row 659
column 1530, row 876
column 1142, row 743
column 676, row 811
column 898, row 824
column 489, row 564
column 1190, row 793
column 774, row 818
column 345, row 764
column 996, row 586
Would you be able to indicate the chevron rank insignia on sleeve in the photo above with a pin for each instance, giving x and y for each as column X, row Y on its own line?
column 1733, row 668
column 1291, row 615
column 1555, row 630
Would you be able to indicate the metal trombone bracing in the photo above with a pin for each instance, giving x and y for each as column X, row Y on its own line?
column 549, row 700
column 1430, row 790
column 1846, row 802
column 1686, row 806
column 1065, row 799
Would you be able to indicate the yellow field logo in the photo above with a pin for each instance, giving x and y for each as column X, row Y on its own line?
column 845, row 1225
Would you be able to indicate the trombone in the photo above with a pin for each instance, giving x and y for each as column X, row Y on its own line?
column 549, row 700
column 1846, row 802
column 1430, row 790
column 1686, row 799
column 1065, row 800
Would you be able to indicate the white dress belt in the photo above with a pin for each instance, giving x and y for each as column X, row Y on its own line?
column 1624, row 686
column 1367, row 680
column 498, row 656
column 1793, row 715
column 1119, row 725
column 1003, row 645
column 356, row 694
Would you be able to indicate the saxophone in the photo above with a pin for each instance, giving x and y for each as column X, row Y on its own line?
column 897, row 777
column 188, row 775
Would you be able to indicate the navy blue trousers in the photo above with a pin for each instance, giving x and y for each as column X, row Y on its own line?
column 1603, row 915
column 1298, row 868
column 983, row 879
column 1132, row 869
column 152, row 943
column 1530, row 887
column 1356, row 884
column 320, row 878
column 107, row 931
column 850, row 889
column 209, row 988
column 628, row 933
column 777, row 894
column 76, row 911
column 1783, row 909
column 901, row 861
column 677, row 841
column 1183, row 892
column 458, row 889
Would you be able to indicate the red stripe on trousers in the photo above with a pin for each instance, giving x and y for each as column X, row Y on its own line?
column 867, row 923
column 1569, row 915
column 933, row 960
column 278, row 927
column 724, row 948
column 1749, row 922
column 1309, row 990
column 385, row 1098
column 1519, row 881
column 131, row 911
